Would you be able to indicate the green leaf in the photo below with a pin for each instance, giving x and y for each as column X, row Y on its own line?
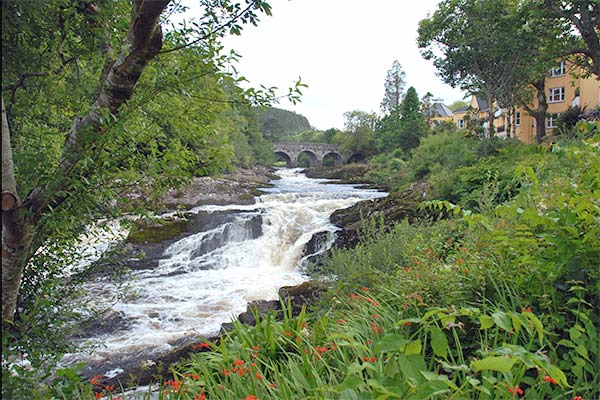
column 430, row 389
column 439, row 342
column 413, row 347
column 537, row 324
column 500, row 364
column 390, row 342
column 502, row 320
column 486, row 322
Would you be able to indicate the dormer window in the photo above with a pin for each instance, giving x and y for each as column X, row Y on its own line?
column 559, row 70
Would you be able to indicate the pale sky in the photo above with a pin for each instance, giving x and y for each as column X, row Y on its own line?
column 342, row 49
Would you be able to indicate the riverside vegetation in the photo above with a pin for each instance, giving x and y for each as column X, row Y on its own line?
column 497, row 300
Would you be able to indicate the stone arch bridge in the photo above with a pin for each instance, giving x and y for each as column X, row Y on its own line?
column 316, row 152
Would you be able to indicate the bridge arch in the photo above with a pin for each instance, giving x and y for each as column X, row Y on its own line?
column 307, row 155
column 332, row 158
column 285, row 157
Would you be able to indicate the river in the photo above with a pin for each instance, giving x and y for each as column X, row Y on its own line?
column 245, row 253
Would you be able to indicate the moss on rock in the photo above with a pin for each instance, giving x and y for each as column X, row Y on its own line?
column 157, row 231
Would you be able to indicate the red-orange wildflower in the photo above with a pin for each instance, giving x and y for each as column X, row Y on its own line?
column 376, row 328
column 577, row 398
column 109, row 388
column 286, row 333
column 369, row 359
column 258, row 376
column 98, row 395
column 365, row 289
column 201, row 396
column 237, row 361
column 526, row 309
column 201, row 346
column 195, row 377
column 341, row 321
column 550, row 379
column 251, row 397
column 256, row 348
column 273, row 385
column 226, row 372
column 516, row 390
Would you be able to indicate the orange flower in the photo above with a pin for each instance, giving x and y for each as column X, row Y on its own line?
column 365, row 289
column 237, row 361
column 526, row 309
column 550, row 379
column 201, row 396
column 251, row 397
column 256, row 348
column 201, row 346
column 195, row 377
column 98, row 395
column 109, row 388
column 258, row 376
column 273, row 385
column 341, row 321
column 226, row 372
column 96, row 380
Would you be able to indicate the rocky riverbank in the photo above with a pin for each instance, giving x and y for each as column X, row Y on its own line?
column 238, row 187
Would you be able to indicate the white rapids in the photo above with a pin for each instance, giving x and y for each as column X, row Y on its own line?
column 207, row 278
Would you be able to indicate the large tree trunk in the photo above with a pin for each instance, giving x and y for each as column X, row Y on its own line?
column 542, row 110
column 491, row 128
column 142, row 43
column 16, row 239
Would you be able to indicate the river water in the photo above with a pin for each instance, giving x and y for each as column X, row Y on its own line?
column 208, row 277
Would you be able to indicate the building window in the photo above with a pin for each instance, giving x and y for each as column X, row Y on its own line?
column 559, row 70
column 557, row 94
column 517, row 118
column 460, row 123
column 551, row 120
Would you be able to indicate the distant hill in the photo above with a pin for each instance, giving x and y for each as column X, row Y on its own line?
column 276, row 123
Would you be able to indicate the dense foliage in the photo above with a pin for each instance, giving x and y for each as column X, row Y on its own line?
column 276, row 123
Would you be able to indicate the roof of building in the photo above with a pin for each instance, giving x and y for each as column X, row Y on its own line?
column 481, row 103
column 439, row 110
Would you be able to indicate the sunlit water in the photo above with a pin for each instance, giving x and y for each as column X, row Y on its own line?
column 208, row 278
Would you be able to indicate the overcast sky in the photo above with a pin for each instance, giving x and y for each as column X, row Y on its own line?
column 342, row 49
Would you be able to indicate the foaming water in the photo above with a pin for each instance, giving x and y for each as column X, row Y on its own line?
column 208, row 277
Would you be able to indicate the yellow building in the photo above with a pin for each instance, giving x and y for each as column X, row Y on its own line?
column 472, row 116
column 564, row 89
